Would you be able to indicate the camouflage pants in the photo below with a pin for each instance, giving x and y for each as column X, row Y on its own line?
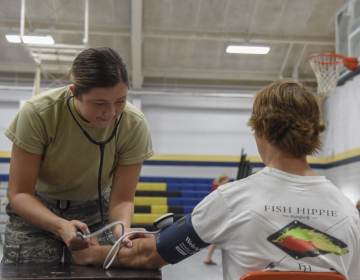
column 25, row 243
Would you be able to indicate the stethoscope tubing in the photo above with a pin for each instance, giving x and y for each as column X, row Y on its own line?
column 110, row 257
column 101, row 145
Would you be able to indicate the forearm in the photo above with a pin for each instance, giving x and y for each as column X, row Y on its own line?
column 123, row 191
column 34, row 212
column 24, row 170
column 121, row 211
column 143, row 254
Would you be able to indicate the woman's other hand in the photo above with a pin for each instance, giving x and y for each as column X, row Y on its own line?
column 71, row 233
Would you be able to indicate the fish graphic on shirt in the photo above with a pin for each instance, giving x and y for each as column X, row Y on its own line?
column 300, row 240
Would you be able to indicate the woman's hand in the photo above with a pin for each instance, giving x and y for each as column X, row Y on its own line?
column 119, row 231
column 69, row 233
column 127, row 242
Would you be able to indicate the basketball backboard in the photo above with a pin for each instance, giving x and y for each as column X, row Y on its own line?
column 347, row 28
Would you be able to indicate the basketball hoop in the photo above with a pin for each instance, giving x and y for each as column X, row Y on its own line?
column 326, row 67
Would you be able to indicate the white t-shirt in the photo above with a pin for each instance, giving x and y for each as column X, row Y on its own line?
column 276, row 220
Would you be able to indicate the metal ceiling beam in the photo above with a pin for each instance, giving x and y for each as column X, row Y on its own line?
column 56, row 46
column 238, row 38
column 136, row 43
column 56, row 51
column 281, row 73
column 193, row 73
column 86, row 23
column 197, row 12
column 182, row 35
column 192, row 93
column 42, row 27
column 295, row 73
column 252, row 19
column 53, row 57
column 22, row 19
column 193, row 100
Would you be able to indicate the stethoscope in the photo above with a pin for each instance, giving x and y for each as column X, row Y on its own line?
column 160, row 224
column 101, row 145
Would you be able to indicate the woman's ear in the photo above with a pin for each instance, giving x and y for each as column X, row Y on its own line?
column 72, row 89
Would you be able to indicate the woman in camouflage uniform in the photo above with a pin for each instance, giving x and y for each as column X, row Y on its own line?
column 58, row 179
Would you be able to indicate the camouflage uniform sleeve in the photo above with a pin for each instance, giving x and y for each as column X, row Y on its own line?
column 27, row 130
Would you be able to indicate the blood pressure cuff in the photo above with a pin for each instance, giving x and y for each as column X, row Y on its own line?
column 179, row 241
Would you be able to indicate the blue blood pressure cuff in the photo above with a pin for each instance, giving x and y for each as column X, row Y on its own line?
column 179, row 241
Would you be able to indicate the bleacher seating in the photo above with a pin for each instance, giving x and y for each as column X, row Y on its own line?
column 156, row 196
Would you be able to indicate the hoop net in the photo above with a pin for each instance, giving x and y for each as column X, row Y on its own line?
column 326, row 67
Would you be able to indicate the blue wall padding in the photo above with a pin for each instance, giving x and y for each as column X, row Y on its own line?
column 180, row 201
column 4, row 177
column 188, row 187
column 176, row 180
column 194, row 194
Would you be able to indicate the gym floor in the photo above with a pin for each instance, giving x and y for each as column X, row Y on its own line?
column 194, row 268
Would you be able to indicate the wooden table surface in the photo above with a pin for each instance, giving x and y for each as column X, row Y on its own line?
column 46, row 272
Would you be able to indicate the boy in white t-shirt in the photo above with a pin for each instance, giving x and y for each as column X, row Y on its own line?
column 284, row 217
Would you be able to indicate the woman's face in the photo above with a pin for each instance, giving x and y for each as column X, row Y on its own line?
column 101, row 106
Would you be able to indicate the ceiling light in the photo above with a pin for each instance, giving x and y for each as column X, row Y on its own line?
column 13, row 38
column 247, row 49
column 36, row 40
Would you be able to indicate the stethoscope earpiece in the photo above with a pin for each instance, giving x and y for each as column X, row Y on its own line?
column 164, row 221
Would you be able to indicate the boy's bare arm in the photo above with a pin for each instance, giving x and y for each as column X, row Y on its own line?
column 143, row 254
